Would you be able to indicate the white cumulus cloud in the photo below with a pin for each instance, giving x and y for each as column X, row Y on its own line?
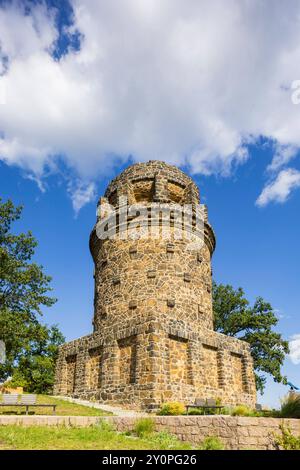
column 280, row 189
column 189, row 82
column 81, row 194
column 295, row 349
column 283, row 155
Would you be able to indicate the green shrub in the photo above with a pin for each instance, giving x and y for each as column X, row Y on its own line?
column 211, row 443
column 243, row 410
column 172, row 409
column 143, row 427
column 290, row 406
column 287, row 441
column 227, row 410
column 270, row 414
column 196, row 411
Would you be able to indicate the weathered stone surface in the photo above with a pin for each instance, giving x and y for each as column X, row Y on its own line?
column 153, row 338
column 235, row 432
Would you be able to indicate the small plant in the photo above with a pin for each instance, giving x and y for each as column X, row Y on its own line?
column 104, row 426
column 165, row 440
column 143, row 427
column 243, row 410
column 287, row 441
column 212, row 443
column 290, row 406
column 172, row 409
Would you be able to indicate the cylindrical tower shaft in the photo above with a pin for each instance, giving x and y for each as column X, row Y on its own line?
column 154, row 259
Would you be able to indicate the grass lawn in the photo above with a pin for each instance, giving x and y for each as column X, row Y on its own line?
column 97, row 437
column 64, row 408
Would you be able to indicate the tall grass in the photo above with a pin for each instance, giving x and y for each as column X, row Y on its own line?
column 101, row 436
column 211, row 443
column 290, row 406
column 143, row 427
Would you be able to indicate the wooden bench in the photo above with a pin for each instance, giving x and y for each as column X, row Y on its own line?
column 26, row 401
column 204, row 405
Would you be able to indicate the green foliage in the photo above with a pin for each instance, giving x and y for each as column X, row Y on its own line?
column 240, row 410
column 35, row 369
column 30, row 347
column 97, row 437
column 287, row 441
column 196, row 411
column 172, row 409
column 211, row 443
column 290, row 406
column 105, row 426
column 234, row 316
column 165, row 440
column 243, row 410
column 143, row 426
column 207, row 411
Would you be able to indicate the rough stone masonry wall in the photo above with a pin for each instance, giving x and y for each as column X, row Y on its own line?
column 145, row 365
column 236, row 433
column 153, row 337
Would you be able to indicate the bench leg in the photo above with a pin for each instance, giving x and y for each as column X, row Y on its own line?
column 54, row 409
column 27, row 410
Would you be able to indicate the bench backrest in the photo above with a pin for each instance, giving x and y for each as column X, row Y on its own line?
column 10, row 398
column 200, row 402
column 28, row 399
column 211, row 402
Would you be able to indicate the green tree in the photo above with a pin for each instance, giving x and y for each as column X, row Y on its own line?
column 35, row 369
column 255, row 324
column 23, row 293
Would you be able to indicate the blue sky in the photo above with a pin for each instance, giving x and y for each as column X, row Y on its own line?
column 257, row 248
column 90, row 88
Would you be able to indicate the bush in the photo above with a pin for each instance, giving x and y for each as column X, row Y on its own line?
column 211, row 443
column 243, row 410
column 287, row 441
column 143, row 427
column 227, row 410
column 196, row 411
column 172, row 409
column 290, row 406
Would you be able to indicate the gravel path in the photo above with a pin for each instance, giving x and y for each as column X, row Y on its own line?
column 101, row 406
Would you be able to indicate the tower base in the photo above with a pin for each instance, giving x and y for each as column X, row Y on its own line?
column 144, row 366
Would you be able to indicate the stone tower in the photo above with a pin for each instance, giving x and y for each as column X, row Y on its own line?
column 153, row 338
